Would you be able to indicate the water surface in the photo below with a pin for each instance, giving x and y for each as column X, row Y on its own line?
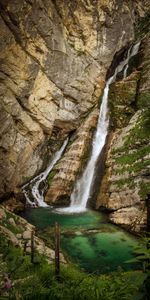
column 88, row 239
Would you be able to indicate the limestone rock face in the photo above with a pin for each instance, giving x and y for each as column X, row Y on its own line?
column 53, row 61
column 128, row 181
column 125, row 187
column 122, row 99
column 62, row 178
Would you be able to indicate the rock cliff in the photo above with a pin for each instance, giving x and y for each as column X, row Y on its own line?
column 54, row 55
column 53, row 63
column 125, row 188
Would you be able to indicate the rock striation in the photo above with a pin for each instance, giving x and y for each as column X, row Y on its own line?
column 62, row 177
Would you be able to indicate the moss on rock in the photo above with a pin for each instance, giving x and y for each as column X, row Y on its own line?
column 122, row 97
column 51, row 176
column 144, row 100
column 131, row 161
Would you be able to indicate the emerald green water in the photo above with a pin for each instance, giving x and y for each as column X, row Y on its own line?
column 88, row 239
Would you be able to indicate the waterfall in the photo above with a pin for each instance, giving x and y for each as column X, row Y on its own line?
column 133, row 50
column 127, row 65
column 35, row 182
column 82, row 189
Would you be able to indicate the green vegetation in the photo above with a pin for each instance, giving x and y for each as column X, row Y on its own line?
column 51, row 176
column 144, row 189
column 133, row 156
column 71, row 141
column 138, row 136
column 143, row 100
column 142, row 27
column 126, row 97
column 140, row 132
column 122, row 101
column 130, row 166
column 38, row 281
column 125, row 182
column 143, row 256
column 13, row 228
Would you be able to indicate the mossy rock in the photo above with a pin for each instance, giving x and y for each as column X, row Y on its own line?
column 139, row 135
column 143, row 100
column 144, row 190
column 123, row 92
column 133, row 157
column 122, row 97
column 51, row 176
column 142, row 27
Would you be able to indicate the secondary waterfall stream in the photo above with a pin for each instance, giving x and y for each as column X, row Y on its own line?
column 82, row 189
column 35, row 182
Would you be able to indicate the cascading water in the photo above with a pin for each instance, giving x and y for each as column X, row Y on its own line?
column 127, row 65
column 34, row 183
column 133, row 50
column 81, row 192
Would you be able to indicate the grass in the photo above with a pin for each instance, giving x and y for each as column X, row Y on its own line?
column 131, row 158
column 125, row 182
column 143, row 99
column 13, row 228
column 38, row 281
column 140, row 133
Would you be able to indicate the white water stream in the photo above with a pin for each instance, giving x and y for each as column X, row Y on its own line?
column 127, row 65
column 133, row 50
column 35, row 182
column 81, row 192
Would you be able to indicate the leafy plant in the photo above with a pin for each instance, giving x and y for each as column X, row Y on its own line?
column 37, row 281
column 143, row 257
